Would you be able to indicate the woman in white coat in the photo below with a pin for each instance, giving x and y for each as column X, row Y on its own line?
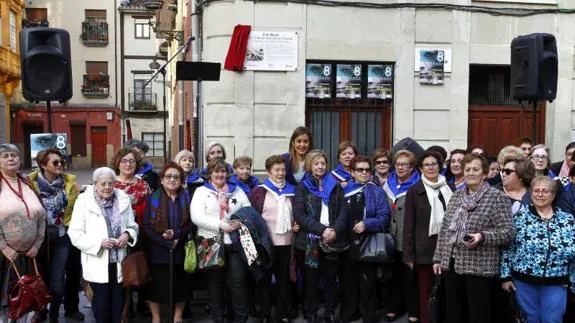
column 102, row 227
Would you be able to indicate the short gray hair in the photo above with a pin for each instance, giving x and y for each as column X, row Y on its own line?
column 103, row 172
column 135, row 143
column 543, row 179
column 182, row 154
column 10, row 148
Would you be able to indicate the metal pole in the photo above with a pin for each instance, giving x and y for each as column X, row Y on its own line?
column 49, row 113
column 163, row 71
column 171, row 298
column 534, row 123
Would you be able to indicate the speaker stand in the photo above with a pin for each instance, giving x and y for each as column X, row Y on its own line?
column 49, row 114
column 534, row 121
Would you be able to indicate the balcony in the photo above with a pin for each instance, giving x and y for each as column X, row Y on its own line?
column 96, row 86
column 143, row 102
column 29, row 23
column 95, row 34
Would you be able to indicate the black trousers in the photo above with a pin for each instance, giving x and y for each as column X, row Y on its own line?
column 468, row 298
column 329, row 267
column 359, row 291
column 73, row 274
column 108, row 299
column 280, row 270
column 403, row 288
column 234, row 276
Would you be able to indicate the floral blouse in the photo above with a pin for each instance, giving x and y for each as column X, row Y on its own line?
column 138, row 192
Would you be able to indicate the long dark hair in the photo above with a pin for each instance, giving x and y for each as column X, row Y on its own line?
column 292, row 153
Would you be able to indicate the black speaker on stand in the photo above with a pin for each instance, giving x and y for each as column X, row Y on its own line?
column 46, row 66
column 534, row 70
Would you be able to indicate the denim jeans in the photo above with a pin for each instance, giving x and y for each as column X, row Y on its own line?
column 541, row 303
column 59, row 250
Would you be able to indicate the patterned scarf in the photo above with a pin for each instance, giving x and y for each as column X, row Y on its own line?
column 111, row 212
column 159, row 211
column 54, row 198
column 223, row 197
column 458, row 224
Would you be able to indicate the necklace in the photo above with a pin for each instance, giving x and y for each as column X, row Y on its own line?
column 19, row 195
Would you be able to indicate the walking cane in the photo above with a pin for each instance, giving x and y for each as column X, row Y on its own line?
column 171, row 299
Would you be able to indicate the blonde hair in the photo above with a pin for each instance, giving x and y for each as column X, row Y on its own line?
column 405, row 153
column 313, row 155
column 509, row 151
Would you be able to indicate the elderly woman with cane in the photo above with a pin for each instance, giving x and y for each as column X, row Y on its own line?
column 168, row 226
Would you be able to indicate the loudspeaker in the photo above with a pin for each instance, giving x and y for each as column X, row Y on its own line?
column 197, row 71
column 409, row 145
column 46, row 64
column 534, row 67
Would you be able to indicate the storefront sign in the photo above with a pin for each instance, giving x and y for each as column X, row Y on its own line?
column 43, row 141
column 348, row 79
column 272, row 51
column 318, row 81
column 379, row 81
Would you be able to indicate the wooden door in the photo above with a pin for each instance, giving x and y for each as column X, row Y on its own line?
column 98, row 141
column 29, row 129
column 494, row 127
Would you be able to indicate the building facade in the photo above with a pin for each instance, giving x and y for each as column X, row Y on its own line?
column 462, row 101
column 91, row 118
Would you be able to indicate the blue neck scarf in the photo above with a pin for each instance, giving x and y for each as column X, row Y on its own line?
column 353, row 188
column 231, row 187
column 328, row 184
column 341, row 174
column 288, row 189
column 147, row 167
column 398, row 189
column 245, row 186
column 194, row 177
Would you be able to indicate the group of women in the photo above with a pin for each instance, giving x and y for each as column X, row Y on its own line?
column 476, row 225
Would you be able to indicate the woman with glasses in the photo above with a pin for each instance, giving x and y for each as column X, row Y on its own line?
column 541, row 161
column 516, row 175
column 425, row 205
column 22, row 222
column 58, row 191
column 454, row 172
column 125, row 163
column 103, row 227
column 476, row 226
column 403, row 286
column 368, row 213
column 540, row 260
column 168, row 227
column 382, row 164
column 212, row 206
column 345, row 153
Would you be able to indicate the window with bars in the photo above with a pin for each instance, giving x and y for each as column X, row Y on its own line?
column 490, row 85
column 155, row 141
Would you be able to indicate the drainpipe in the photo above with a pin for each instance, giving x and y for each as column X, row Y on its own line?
column 122, row 79
column 197, row 112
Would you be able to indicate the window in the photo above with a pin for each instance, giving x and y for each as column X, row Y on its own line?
column 13, row 45
column 142, row 29
column 78, row 138
column 142, row 93
column 95, row 28
column 36, row 17
column 96, row 80
column 95, row 16
column 490, row 85
column 155, row 141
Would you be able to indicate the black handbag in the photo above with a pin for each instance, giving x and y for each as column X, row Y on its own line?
column 377, row 247
column 434, row 304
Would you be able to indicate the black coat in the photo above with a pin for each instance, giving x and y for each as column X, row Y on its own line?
column 556, row 167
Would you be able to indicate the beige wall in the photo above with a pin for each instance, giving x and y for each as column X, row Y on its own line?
column 254, row 113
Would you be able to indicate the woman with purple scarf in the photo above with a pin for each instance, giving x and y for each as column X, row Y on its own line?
column 404, row 283
column 476, row 226
column 102, row 227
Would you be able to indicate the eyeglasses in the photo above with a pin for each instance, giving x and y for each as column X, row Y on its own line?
column 127, row 161
column 539, row 157
column 382, row 162
column 508, row 171
column 430, row 165
column 402, row 165
column 362, row 170
column 543, row 192
column 172, row 177
column 58, row 162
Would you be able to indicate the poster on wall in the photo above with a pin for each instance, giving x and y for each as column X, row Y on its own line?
column 431, row 67
column 379, row 81
column 348, row 78
column 43, row 141
column 318, row 81
column 272, row 51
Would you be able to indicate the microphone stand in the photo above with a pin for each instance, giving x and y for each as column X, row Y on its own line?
column 162, row 70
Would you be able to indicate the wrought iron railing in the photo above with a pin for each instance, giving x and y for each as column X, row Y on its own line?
column 95, row 33
column 143, row 101
column 96, row 85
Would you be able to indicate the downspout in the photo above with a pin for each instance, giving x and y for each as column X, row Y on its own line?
column 196, row 18
column 122, row 95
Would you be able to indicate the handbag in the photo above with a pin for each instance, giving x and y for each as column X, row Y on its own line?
column 28, row 294
column 377, row 247
column 135, row 270
column 210, row 252
column 191, row 258
column 434, row 304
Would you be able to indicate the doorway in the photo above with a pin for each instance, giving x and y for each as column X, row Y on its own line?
column 98, row 139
